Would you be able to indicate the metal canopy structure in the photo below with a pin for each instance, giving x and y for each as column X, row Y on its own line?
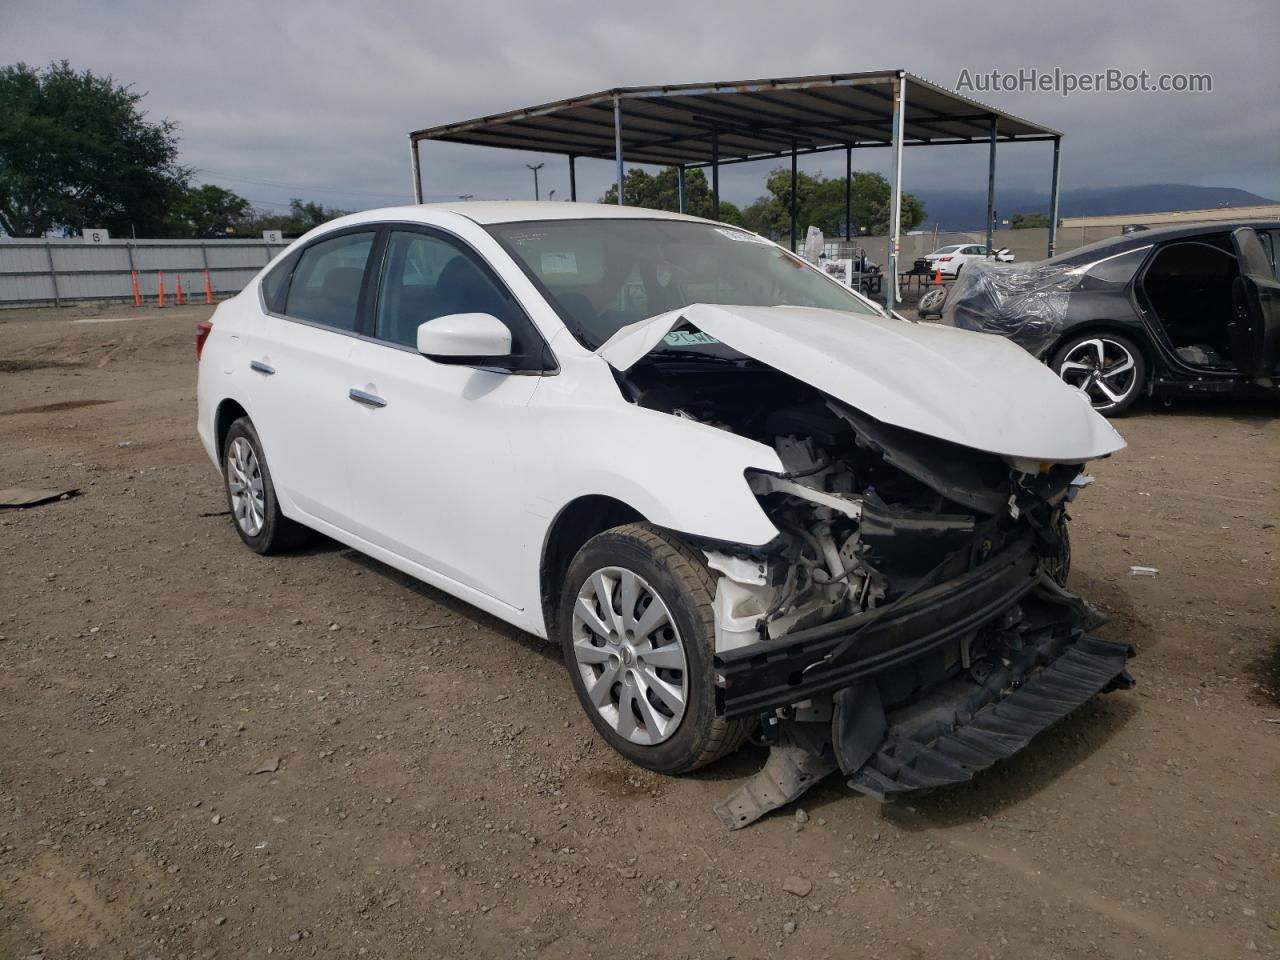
column 709, row 125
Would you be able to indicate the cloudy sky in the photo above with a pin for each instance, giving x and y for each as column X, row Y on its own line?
column 314, row 99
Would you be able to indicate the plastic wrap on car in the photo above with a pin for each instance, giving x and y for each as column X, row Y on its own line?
column 1028, row 304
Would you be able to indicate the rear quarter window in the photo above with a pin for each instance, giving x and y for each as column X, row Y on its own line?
column 275, row 285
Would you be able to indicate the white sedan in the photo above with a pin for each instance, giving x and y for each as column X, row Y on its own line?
column 698, row 464
column 951, row 259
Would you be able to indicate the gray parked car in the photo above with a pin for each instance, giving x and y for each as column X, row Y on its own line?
column 1174, row 309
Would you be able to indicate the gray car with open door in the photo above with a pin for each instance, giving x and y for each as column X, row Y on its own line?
column 1154, row 311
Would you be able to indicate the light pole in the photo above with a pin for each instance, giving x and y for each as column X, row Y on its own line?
column 535, row 167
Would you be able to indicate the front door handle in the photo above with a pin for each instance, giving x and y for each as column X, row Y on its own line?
column 368, row 399
column 261, row 367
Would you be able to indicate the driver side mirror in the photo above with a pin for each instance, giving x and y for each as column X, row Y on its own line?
column 464, row 338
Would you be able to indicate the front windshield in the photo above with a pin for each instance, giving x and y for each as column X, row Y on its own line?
column 601, row 275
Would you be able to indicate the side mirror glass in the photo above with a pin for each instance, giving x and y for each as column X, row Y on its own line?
column 464, row 338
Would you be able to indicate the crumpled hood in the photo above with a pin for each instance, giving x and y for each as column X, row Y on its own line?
column 973, row 389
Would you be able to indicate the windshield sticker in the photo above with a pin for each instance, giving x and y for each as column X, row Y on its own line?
column 688, row 338
column 559, row 263
column 741, row 236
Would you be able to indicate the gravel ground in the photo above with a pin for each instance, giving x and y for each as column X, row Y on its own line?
column 212, row 754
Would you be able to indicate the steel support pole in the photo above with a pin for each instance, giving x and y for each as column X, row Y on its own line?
column 895, row 195
column 848, row 193
column 1053, row 197
column 793, row 197
column 991, row 184
column 684, row 197
column 573, row 179
column 617, row 144
column 53, row 274
column 715, row 174
column 417, row 170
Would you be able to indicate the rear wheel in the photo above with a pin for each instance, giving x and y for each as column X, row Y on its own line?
column 638, row 636
column 255, row 512
column 1109, row 368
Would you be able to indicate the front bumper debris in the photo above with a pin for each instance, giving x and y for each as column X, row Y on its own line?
column 781, row 672
column 905, row 763
column 1046, row 664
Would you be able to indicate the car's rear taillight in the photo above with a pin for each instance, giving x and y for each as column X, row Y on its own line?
column 943, row 259
column 202, row 334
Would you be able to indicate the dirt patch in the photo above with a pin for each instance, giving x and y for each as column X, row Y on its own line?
column 19, row 366
column 58, row 407
column 440, row 793
column 1265, row 672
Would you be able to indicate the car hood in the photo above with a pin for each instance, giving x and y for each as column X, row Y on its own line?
column 972, row 389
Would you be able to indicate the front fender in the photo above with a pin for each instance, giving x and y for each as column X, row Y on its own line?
column 678, row 473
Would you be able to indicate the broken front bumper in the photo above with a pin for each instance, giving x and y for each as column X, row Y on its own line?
column 909, row 759
column 778, row 673
column 889, row 743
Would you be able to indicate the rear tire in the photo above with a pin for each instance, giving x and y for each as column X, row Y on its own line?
column 251, row 496
column 1108, row 367
column 643, row 668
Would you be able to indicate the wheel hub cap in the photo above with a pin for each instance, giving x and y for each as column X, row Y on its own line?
column 245, row 484
column 630, row 656
column 1104, row 370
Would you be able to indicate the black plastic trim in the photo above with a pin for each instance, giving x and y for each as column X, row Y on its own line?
column 772, row 674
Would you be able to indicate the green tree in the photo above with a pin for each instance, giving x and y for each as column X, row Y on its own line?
column 661, row 191
column 1028, row 221
column 303, row 215
column 208, row 211
column 821, row 203
column 76, row 151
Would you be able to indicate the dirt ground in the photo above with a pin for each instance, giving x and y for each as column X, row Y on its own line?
column 438, row 793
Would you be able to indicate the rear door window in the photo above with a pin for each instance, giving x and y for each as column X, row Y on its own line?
column 327, row 280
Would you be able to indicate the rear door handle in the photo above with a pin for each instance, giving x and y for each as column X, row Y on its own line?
column 261, row 367
column 368, row 399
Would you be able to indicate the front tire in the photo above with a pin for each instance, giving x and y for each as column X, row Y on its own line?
column 638, row 634
column 251, row 496
column 1108, row 367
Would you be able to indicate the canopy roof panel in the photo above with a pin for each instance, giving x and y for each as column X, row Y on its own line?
column 692, row 124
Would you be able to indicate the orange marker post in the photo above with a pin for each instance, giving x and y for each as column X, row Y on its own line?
column 159, row 289
column 937, row 276
column 137, row 293
column 208, row 288
column 177, row 297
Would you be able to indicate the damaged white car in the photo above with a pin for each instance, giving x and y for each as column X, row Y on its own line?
column 741, row 497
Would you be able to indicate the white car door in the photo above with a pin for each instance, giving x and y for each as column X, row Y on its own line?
column 297, row 355
column 431, row 455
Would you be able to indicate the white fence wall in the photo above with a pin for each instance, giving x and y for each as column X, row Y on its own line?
column 38, row 272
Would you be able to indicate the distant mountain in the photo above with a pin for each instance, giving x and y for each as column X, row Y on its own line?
column 966, row 209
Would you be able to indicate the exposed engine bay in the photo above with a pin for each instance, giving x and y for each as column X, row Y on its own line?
column 913, row 598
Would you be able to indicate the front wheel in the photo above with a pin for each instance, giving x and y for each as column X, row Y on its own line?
column 638, row 635
column 1109, row 368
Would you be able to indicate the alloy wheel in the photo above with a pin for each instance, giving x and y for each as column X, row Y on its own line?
column 244, row 482
column 630, row 656
column 1103, row 369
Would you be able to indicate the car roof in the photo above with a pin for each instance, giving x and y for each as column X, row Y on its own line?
column 516, row 211
column 1144, row 238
